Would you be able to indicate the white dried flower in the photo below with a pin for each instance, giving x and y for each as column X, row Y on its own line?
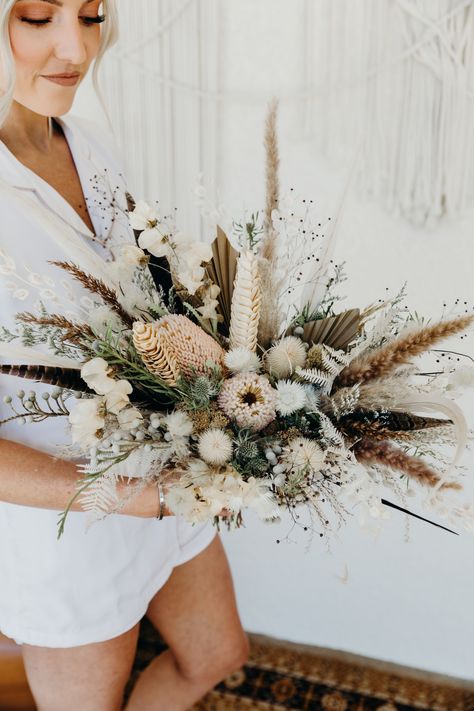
column 179, row 424
column 215, row 446
column 285, row 356
column 117, row 398
column 129, row 418
column 290, row 397
column 95, row 374
column 241, row 360
column 87, row 419
column 303, row 453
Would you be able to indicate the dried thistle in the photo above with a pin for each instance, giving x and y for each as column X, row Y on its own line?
column 387, row 455
column 73, row 332
column 97, row 286
column 383, row 361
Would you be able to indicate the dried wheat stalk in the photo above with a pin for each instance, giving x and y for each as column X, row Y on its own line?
column 97, row 286
column 384, row 360
column 387, row 455
column 73, row 332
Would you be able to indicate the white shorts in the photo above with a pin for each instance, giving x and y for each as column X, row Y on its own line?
column 91, row 585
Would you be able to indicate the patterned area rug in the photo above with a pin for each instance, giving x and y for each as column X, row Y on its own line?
column 285, row 676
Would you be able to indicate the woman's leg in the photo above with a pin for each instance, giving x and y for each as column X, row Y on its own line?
column 196, row 614
column 91, row 677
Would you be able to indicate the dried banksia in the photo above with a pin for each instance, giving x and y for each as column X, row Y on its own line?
column 174, row 346
column 381, row 362
column 154, row 352
column 246, row 301
column 387, row 455
column 249, row 399
column 282, row 359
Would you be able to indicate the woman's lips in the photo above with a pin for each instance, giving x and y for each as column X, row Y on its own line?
column 64, row 81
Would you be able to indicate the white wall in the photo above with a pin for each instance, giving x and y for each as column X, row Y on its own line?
column 409, row 603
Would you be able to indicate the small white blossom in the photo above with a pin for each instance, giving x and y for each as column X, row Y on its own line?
column 87, row 419
column 179, row 424
column 129, row 418
column 290, row 397
column 117, row 398
column 242, row 360
column 95, row 374
column 215, row 446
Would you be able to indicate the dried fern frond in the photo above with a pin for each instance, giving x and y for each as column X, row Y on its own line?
column 68, row 378
column 314, row 376
column 383, row 361
column 385, row 454
column 96, row 286
column 73, row 332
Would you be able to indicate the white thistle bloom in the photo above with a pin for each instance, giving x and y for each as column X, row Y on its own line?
column 284, row 357
column 87, row 419
column 290, row 397
column 179, row 424
column 117, row 398
column 95, row 374
column 102, row 317
column 242, row 360
column 215, row 446
column 303, row 453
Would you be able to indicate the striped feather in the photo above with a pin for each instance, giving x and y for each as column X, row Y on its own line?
column 68, row 378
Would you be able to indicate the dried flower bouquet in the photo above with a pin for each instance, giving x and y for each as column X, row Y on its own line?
column 234, row 367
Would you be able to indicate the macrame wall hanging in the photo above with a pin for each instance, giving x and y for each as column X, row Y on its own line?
column 389, row 80
column 398, row 82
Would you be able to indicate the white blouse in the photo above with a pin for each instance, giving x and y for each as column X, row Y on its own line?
column 94, row 583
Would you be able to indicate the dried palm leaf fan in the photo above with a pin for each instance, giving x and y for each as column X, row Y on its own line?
column 222, row 270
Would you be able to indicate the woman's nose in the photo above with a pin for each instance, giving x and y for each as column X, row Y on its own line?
column 71, row 46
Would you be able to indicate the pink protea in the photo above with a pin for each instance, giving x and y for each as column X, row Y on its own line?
column 249, row 399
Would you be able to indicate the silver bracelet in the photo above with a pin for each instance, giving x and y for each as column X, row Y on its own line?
column 161, row 496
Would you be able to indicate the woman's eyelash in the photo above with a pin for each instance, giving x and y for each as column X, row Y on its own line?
column 86, row 20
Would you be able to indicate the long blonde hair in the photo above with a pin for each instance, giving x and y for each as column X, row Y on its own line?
column 109, row 36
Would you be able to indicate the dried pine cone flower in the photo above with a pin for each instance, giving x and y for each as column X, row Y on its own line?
column 249, row 400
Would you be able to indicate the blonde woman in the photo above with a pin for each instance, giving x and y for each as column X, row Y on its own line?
column 75, row 604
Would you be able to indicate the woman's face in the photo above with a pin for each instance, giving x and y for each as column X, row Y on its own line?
column 52, row 37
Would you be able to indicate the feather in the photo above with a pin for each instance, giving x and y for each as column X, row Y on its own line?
column 385, row 425
column 384, row 360
column 31, row 356
column 68, row 378
column 434, row 402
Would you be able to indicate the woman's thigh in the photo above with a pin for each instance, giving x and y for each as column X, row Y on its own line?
column 91, row 677
column 196, row 614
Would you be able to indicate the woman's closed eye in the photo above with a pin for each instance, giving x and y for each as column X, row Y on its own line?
column 88, row 21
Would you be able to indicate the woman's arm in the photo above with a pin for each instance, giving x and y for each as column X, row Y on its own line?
column 32, row 478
